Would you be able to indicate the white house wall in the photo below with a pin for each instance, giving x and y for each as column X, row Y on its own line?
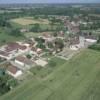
column 18, row 62
column 91, row 40
column 18, row 73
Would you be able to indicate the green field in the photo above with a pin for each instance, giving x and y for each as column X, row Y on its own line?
column 77, row 79
column 28, row 22
column 44, row 72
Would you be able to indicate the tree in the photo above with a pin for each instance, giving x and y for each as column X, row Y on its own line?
column 36, row 28
column 59, row 44
column 39, row 40
column 3, row 41
column 98, row 41
column 55, row 34
column 36, row 17
column 40, row 45
column 50, row 45
column 4, row 87
column 29, row 56
column 14, row 32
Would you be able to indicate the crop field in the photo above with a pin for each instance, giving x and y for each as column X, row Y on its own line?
column 28, row 21
column 76, row 79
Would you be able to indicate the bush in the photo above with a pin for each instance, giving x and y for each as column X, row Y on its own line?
column 29, row 56
column 95, row 47
column 41, row 46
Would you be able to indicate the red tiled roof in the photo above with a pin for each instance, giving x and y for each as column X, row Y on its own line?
column 14, row 46
column 4, row 53
column 24, row 60
column 12, row 69
column 22, row 47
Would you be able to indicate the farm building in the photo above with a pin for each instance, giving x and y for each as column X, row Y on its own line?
column 13, row 49
column 14, row 71
column 91, row 39
column 5, row 55
column 24, row 63
column 74, row 43
column 77, row 42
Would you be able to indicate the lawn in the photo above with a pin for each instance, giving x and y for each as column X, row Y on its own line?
column 28, row 21
column 77, row 79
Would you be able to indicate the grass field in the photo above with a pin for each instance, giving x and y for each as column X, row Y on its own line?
column 28, row 21
column 42, row 73
column 77, row 79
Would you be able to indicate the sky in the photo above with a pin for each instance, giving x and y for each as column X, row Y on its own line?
column 49, row 1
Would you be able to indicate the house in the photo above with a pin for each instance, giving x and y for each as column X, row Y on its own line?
column 5, row 55
column 47, row 37
column 14, row 47
column 74, row 43
column 73, row 27
column 36, row 50
column 23, row 62
column 14, row 71
column 91, row 39
column 77, row 42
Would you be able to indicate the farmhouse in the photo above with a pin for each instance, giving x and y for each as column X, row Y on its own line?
column 5, row 55
column 14, row 71
column 14, row 47
column 24, row 63
column 91, row 39
column 74, row 43
column 47, row 36
column 72, row 27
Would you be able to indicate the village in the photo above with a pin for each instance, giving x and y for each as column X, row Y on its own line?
column 49, row 51
column 20, row 56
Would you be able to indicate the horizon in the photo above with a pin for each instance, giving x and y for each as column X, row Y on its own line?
column 48, row 1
